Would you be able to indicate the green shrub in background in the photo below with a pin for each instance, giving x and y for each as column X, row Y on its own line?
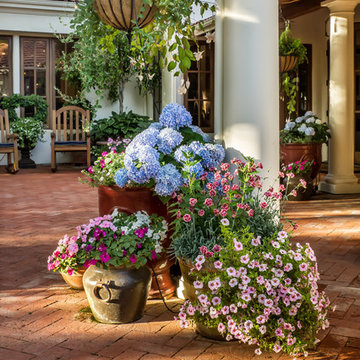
column 125, row 125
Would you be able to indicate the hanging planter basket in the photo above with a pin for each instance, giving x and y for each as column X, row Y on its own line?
column 121, row 14
column 287, row 63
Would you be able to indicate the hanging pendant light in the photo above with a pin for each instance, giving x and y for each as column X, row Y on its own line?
column 120, row 14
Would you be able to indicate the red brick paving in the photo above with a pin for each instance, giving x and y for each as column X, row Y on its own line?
column 39, row 314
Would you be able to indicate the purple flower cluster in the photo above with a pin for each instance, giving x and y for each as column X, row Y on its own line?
column 175, row 116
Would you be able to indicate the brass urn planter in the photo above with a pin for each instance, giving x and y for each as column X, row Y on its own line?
column 117, row 295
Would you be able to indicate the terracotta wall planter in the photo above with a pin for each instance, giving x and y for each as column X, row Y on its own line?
column 131, row 200
column 290, row 153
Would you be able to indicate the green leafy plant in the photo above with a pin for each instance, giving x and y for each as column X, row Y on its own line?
column 11, row 103
column 260, row 291
column 104, row 60
column 29, row 131
column 289, row 46
column 125, row 125
column 307, row 129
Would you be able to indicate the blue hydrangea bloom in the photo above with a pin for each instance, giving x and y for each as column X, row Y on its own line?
column 200, row 150
column 121, row 177
column 217, row 154
column 155, row 125
column 196, row 169
column 179, row 153
column 142, row 164
column 147, row 137
column 168, row 180
column 197, row 130
column 175, row 116
column 168, row 139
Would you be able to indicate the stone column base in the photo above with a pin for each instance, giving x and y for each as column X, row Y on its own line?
column 340, row 188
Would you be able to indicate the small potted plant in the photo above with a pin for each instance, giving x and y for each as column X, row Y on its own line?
column 264, row 292
column 29, row 129
column 302, row 140
column 69, row 261
column 120, row 247
column 292, row 52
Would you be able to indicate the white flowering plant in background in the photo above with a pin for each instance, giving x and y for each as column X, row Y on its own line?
column 260, row 291
column 307, row 129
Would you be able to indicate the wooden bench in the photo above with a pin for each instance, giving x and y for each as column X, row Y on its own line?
column 8, row 142
column 68, row 134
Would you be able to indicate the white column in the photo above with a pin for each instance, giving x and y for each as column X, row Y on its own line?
column 250, row 70
column 340, row 178
column 16, row 63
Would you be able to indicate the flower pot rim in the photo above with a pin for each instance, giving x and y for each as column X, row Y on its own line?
column 126, row 188
column 297, row 144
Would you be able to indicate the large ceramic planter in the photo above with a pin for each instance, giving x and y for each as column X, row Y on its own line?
column 74, row 280
column 289, row 153
column 117, row 295
column 129, row 201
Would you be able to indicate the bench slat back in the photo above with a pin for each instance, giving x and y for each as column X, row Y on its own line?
column 68, row 123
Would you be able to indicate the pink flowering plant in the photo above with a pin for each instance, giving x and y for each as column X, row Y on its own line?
column 261, row 292
column 297, row 168
column 224, row 197
column 103, row 171
column 122, row 240
column 66, row 257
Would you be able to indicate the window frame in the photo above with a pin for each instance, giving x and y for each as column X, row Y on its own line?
column 210, row 129
column 11, row 75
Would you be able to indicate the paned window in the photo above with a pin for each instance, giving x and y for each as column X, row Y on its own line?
column 199, row 99
column 5, row 66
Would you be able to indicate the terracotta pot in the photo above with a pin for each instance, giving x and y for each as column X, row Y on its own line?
column 209, row 332
column 290, row 153
column 74, row 280
column 129, row 201
column 117, row 295
column 120, row 14
column 287, row 63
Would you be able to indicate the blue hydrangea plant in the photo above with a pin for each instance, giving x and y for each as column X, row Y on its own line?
column 158, row 157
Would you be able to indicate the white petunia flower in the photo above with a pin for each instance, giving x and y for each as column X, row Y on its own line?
column 309, row 131
column 299, row 119
column 302, row 128
column 289, row 125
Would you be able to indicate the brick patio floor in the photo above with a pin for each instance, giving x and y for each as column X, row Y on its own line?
column 40, row 316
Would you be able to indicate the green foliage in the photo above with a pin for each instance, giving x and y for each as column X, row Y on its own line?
column 290, row 84
column 104, row 60
column 29, row 130
column 288, row 45
column 27, row 101
column 125, row 125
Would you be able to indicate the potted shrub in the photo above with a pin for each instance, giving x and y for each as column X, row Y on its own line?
column 302, row 139
column 152, row 165
column 120, row 247
column 264, row 292
column 29, row 129
column 68, row 260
